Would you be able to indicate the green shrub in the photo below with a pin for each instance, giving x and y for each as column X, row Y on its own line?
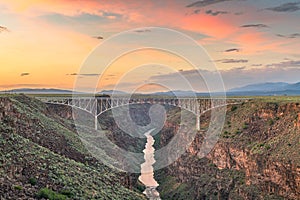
column 212, row 165
column 268, row 147
column 18, row 187
column 233, row 108
column 270, row 122
column 140, row 187
column 49, row 194
column 245, row 126
column 261, row 144
column 32, row 181
column 67, row 193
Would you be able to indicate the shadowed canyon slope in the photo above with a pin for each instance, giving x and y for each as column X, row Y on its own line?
column 42, row 157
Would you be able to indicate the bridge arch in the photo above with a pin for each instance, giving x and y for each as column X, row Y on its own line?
column 98, row 106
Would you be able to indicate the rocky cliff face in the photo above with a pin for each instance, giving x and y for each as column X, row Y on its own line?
column 297, row 123
column 272, row 177
column 256, row 157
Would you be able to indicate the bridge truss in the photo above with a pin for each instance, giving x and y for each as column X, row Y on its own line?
column 98, row 105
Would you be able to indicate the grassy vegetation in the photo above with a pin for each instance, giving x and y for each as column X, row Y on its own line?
column 84, row 181
column 277, row 99
column 49, row 194
column 170, row 188
column 32, row 181
column 250, row 123
column 50, row 169
column 208, row 183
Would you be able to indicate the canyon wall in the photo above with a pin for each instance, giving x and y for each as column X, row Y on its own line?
column 256, row 157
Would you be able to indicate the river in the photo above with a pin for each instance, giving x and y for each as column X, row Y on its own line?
column 147, row 173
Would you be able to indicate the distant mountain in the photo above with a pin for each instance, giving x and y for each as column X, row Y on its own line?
column 38, row 91
column 56, row 91
column 276, row 88
column 295, row 86
column 178, row 93
column 110, row 92
column 261, row 87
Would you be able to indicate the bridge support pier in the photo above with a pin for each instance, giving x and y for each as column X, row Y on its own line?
column 96, row 122
column 198, row 122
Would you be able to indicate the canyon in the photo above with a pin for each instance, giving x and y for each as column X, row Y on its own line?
column 256, row 156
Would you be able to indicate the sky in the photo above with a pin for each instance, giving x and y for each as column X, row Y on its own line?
column 47, row 43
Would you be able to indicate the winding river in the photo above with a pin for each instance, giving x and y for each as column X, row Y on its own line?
column 147, row 173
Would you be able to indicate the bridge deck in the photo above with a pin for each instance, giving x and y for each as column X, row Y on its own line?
column 98, row 105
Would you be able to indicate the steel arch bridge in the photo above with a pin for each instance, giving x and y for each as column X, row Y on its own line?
column 98, row 105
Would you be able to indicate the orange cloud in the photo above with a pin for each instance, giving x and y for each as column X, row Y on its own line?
column 253, row 42
column 209, row 25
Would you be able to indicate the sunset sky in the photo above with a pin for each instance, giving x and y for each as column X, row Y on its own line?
column 44, row 43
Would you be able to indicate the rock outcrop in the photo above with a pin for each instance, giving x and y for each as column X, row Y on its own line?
column 256, row 157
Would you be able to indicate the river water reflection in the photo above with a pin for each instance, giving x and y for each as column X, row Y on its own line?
column 147, row 173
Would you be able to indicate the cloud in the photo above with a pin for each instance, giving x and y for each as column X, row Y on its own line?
column 235, row 77
column 79, row 18
column 254, row 26
column 111, row 15
column 210, row 12
column 25, row 74
column 205, row 3
column 227, row 61
column 197, row 11
column 291, row 36
column 83, row 22
column 89, row 74
column 3, row 29
column 142, row 31
column 286, row 64
column 215, row 13
column 286, row 7
column 238, row 13
column 240, row 68
column 256, row 65
column 98, row 37
column 75, row 74
column 232, row 50
column 22, row 85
